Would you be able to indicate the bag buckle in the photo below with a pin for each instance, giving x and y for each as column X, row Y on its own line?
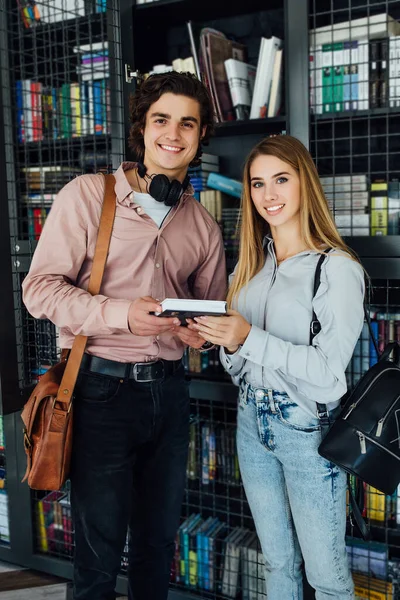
column 54, row 405
column 315, row 327
column 27, row 441
column 323, row 414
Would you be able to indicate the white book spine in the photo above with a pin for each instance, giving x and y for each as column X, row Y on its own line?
column 354, row 76
column 365, row 77
column 397, row 75
column 264, row 75
column 392, row 56
column 335, row 179
column 318, row 80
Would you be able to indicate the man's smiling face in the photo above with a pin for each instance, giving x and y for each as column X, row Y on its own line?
column 172, row 135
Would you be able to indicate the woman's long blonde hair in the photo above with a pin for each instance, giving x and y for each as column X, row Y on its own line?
column 316, row 221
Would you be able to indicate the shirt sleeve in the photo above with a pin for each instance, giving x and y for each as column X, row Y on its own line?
column 49, row 290
column 318, row 371
column 210, row 280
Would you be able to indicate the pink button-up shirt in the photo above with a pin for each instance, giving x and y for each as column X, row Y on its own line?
column 182, row 259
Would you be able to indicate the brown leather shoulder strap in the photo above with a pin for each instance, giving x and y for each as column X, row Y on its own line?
column 99, row 262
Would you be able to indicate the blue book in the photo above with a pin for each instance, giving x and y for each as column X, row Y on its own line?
column 225, row 184
column 202, row 541
column 186, row 534
column 97, row 107
column 20, row 110
column 373, row 357
column 182, row 533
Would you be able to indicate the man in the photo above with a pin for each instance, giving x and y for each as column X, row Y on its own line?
column 131, row 406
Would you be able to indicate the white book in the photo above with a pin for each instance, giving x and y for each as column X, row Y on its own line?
column 183, row 308
column 334, row 179
column 265, row 64
column 94, row 47
column 241, row 79
column 355, row 231
column 318, row 80
column 370, row 27
column 350, row 220
column 359, row 197
column 274, row 103
column 28, row 109
column 345, row 187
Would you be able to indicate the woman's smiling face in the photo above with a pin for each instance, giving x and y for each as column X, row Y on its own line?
column 275, row 190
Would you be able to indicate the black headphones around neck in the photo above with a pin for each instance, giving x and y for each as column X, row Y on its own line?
column 161, row 188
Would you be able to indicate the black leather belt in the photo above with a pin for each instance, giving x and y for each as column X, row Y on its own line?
column 140, row 371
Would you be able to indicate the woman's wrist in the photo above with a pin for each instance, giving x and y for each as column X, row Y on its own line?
column 231, row 350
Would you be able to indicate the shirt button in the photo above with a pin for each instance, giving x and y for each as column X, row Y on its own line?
column 157, row 265
column 139, row 210
column 157, row 337
column 259, row 394
column 131, row 195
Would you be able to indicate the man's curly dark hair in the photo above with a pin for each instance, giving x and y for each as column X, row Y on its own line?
column 151, row 89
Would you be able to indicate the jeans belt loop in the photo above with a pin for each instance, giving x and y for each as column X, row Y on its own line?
column 272, row 404
column 246, row 391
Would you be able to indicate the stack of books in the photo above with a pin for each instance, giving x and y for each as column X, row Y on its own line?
column 355, row 65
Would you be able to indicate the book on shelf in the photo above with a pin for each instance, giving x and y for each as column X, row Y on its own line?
column 73, row 110
column 379, row 207
column 355, row 65
column 37, row 12
column 225, row 184
column 265, row 71
column 241, row 80
column 215, row 49
column 235, row 86
column 231, row 562
column 370, row 27
column 184, row 65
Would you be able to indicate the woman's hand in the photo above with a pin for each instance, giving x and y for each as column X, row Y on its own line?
column 229, row 331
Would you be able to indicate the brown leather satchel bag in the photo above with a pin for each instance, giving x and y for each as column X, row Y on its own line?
column 47, row 415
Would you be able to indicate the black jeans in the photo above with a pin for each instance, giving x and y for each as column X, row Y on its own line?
column 128, row 469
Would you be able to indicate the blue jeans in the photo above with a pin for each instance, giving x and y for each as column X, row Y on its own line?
column 297, row 498
column 128, row 468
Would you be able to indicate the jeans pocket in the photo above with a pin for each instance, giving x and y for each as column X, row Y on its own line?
column 98, row 389
column 297, row 418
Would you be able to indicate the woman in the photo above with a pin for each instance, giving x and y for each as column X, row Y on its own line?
column 297, row 498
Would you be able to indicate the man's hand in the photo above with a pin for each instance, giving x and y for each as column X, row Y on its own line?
column 189, row 337
column 140, row 322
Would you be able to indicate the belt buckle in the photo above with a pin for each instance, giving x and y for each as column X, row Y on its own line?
column 146, row 364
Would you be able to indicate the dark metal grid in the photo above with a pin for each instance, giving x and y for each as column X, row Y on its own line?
column 83, row 135
column 74, row 128
column 354, row 127
column 355, row 143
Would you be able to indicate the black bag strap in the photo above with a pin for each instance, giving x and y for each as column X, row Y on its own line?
column 358, row 518
column 315, row 328
column 315, row 324
column 322, row 409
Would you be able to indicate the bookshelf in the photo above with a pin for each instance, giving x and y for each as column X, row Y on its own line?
column 350, row 142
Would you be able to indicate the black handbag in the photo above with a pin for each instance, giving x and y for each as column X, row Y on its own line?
column 364, row 440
